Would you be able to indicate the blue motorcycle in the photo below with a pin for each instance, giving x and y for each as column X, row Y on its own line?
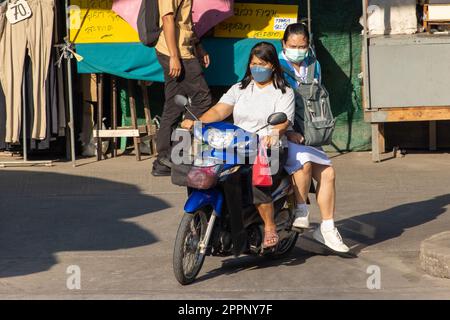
column 220, row 218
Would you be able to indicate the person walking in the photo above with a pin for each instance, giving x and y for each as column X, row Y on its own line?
column 182, row 57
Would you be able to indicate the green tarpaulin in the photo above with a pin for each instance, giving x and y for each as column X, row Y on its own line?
column 337, row 37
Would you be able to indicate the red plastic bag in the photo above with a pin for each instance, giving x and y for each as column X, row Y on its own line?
column 261, row 176
column 203, row 177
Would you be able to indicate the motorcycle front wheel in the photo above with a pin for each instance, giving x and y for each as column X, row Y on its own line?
column 187, row 259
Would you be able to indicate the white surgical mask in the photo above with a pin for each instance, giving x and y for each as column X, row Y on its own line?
column 296, row 55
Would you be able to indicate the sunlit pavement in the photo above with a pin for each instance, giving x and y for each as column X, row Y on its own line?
column 115, row 225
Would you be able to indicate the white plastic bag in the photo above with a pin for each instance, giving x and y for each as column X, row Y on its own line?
column 90, row 149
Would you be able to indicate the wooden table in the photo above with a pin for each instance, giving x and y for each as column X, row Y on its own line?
column 378, row 117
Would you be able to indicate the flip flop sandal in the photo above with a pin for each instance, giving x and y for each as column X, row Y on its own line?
column 271, row 239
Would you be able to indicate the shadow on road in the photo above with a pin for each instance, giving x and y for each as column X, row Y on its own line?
column 375, row 227
column 42, row 214
column 359, row 232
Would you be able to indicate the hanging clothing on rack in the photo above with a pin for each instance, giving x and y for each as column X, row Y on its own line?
column 62, row 121
column 51, row 106
column 3, row 7
column 60, row 76
column 34, row 34
column 28, row 99
column 2, row 120
column 52, row 97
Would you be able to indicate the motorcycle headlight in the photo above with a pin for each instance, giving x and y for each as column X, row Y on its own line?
column 206, row 162
column 219, row 139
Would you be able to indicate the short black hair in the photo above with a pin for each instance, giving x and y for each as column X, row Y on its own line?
column 296, row 28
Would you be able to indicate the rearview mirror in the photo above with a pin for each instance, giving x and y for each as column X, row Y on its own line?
column 181, row 101
column 277, row 118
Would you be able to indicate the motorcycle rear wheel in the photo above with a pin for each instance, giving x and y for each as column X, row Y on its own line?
column 187, row 259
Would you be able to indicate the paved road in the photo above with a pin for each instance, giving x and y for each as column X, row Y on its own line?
column 117, row 224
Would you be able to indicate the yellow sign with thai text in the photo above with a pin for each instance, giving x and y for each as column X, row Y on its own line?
column 93, row 21
column 260, row 21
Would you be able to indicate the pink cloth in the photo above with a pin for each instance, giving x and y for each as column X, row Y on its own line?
column 206, row 14
column 209, row 13
column 128, row 10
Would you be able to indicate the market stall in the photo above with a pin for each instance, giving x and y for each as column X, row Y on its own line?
column 34, row 114
column 107, row 44
column 111, row 45
column 337, row 41
column 406, row 68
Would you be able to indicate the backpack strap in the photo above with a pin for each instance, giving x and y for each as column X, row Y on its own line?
column 310, row 71
column 178, row 9
column 291, row 74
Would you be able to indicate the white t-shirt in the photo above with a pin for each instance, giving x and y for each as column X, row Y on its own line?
column 253, row 105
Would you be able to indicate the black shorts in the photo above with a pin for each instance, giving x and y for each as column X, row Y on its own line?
column 264, row 194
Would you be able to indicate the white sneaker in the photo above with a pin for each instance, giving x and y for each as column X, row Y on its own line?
column 301, row 218
column 332, row 239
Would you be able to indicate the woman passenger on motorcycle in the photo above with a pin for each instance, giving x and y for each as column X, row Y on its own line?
column 305, row 162
column 262, row 92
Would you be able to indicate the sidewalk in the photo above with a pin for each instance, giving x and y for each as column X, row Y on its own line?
column 118, row 224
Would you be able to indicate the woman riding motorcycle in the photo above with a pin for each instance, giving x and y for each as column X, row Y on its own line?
column 262, row 92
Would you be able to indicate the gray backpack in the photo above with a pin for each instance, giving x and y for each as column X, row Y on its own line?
column 313, row 116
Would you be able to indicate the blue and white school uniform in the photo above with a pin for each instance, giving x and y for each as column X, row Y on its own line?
column 299, row 154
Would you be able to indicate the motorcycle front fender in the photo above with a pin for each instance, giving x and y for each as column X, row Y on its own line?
column 202, row 198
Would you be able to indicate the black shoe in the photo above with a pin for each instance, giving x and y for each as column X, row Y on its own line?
column 165, row 162
column 160, row 170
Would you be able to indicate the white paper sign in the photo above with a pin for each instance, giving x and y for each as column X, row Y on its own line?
column 282, row 23
column 18, row 11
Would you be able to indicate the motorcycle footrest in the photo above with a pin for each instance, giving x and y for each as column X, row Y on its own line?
column 298, row 230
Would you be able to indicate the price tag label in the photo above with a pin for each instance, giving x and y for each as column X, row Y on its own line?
column 281, row 24
column 18, row 11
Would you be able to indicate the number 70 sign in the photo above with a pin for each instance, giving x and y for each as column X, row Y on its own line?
column 18, row 11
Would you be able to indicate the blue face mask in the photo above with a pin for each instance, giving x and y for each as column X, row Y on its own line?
column 261, row 74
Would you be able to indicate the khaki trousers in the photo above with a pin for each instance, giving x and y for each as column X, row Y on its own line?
column 34, row 34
